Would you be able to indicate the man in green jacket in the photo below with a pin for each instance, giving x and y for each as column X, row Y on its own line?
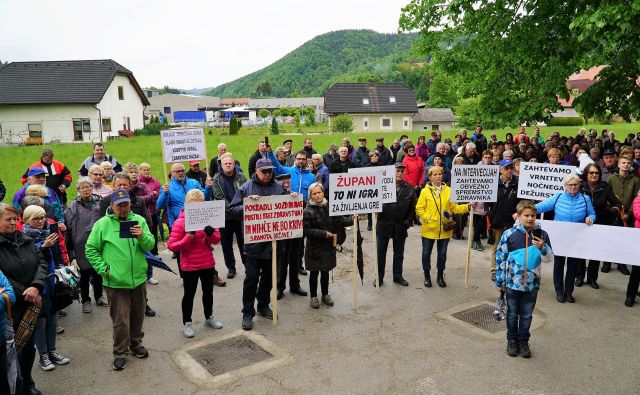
column 117, row 254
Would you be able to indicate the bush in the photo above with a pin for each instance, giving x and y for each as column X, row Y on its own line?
column 342, row 123
column 566, row 121
column 152, row 129
column 274, row 126
column 233, row 126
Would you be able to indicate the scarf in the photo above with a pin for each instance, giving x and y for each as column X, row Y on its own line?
column 323, row 204
column 36, row 234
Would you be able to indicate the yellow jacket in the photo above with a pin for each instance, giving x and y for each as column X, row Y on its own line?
column 430, row 209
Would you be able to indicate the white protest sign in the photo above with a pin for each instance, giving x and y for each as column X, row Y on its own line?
column 181, row 145
column 474, row 183
column 597, row 242
column 388, row 174
column 351, row 193
column 270, row 218
column 197, row 215
column 539, row 181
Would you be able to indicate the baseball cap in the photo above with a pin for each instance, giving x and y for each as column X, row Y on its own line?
column 400, row 165
column 609, row 151
column 362, row 139
column 379, row 138
column 284, row 176
column 120, row 196
column 194, row 162
column 35, row 171
column 506, row 162
column 287, row 141
column 264, row 163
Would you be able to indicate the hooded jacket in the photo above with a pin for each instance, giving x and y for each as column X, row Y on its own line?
column 173, row 202
column 22, row 263
column 300, row 178
column 8, row 289
column 568, row 208
column 414, row 170
column 430, row 209
column 195, row 251
column 80, row 217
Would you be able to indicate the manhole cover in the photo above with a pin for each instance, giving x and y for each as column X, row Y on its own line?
column 481, row 317
column 227, row 355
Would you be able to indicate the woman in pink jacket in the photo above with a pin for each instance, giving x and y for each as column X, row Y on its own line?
column 413, row 172
column 634, row 278
column 196, row 262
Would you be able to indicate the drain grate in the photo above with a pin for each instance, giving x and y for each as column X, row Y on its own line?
column 231, row 354
column 481, row 317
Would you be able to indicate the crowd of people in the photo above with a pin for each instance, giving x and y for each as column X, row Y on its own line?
column 119, row 214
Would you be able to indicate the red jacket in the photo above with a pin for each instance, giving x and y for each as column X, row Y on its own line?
column 195, row 252
column 59, row 175
column 414, row 171
column 636, row 211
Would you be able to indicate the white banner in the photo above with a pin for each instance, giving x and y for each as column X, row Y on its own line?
column 474, row 183
column 271, row 218
column 351, row 193
column 388, row 174
column 538, row 181
column 197, row 215
column 181, row 145
column 597, row 242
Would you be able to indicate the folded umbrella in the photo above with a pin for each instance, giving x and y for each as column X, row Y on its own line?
column 27, row 325
column 501, row 307
column 12, row 354
column 155, row 261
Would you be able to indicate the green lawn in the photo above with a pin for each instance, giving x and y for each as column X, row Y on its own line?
column 14, row 160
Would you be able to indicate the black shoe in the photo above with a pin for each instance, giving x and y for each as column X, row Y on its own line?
column 623, row 269
column 594, row 284
column 493, row 277
column 417, row 222
column 149, row 312
column 140, row 352
column 440, row 280
column 570, row 298
column 35, row 391
column 218, row 282
column 560, row 298
column 62, row 313
column 401, row 281
column 299, row 291
column 381, row 281
column 231, row 274
column 302, row 272
column 280, row 294
column 427, row 280
column 369, row 228
column 512, row 348
column 525, row 351
column 629, row 301
column 174, row 255
column 119, row 363
column 606, row 266
column 266, row 312
column 247, row 322
column 579, row 282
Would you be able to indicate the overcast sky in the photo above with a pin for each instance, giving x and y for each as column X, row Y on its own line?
column 185, row 44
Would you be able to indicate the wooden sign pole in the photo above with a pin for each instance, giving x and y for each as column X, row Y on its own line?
column 376, row 272
column 354, row 291
column 470, row 238
column 274, row 280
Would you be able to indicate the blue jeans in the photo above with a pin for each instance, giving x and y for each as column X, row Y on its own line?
column 45, row 332
column 564, row 283
column 520, row 305
column 427, row 247
column 398, row 256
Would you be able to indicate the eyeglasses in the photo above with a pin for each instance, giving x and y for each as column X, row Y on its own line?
column 266, row 171
column 38, row 219
column 573, row 185
column 594, row 172
column 178, row 171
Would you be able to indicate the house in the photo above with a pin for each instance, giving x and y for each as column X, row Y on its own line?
column 67, row 101
column 169, row 103
column 430, row 119
column 272, row 104
column 373, row 107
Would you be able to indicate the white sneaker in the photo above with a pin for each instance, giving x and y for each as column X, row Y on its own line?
column 187, row 330
column 86, row 307
column 212, row 323
column 102, row 301
column 152, row 281
column 45, row 363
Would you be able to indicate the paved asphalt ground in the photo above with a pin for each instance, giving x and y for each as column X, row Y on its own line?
column 396, row 342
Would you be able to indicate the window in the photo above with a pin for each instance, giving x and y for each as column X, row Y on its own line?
column 365, row 123
column 392, row 99
column 126, row 123
column 121, row 92
column 365, row 101
column 35, row 129
column 385, row 123
column 405, row 123
column 435, row 127
column 80, row 126
column 167, row 110
column 106, row 124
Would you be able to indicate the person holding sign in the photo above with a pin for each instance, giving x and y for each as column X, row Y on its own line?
column 435, row 210
column 569, row 206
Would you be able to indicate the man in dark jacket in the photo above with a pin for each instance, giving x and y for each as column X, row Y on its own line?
column 343, row 164
column 385, row 155
column 58, row 175
column 393, row 222
column 260, row 153
column 361, row 155
column 330, row 156
column 501, row 213
column 197, row 174
column 257, row 255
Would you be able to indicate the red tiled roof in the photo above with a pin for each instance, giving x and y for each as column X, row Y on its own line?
column 236, row 101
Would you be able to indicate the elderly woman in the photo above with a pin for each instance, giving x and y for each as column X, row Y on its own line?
column 569, row 206
column 81, row 215
column 554, row 156
column 435, row 210
column 25, row 267
column 96, row 174
column 107, row 167
column 154, row 186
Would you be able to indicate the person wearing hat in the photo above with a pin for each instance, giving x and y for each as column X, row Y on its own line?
column 117, row 254
column 37, row 176
column 361, row 155
column 196, row 174
column 385, row 154
column 393, row 222
column 58, row 176
column 330, row 156
column 609, row 163
column 257, row 255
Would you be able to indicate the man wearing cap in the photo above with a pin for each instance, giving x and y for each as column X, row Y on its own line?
column 502, row 213
column 290, row 158
column 37, row 176
column 196, row 174
column 361, row 155
column 330, row 156
column 393, row 222
column 117, row 254
column 97, row 158
column 260, row 153
column 609, row 163
column 385, row 155
column 257, row 255
column 58, row 175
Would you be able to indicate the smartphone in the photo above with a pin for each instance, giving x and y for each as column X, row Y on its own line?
column 266, row 140
column 125, row 229
column 536, row 232
column 53, row 228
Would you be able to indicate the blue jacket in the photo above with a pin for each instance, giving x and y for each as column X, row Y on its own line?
column 300, row 179
column 173, row 202
column 8, row 289
column 322, row 176
column 568, row 208
column 518, row 261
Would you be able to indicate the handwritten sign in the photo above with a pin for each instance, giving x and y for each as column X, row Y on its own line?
column 181, row 145
column 197, row 215
column 271, row 218
column 474, row 183
column 539, row 181
column 351, row 193
column 388, row 174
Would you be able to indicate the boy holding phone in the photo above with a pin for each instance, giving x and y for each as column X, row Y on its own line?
column 520, row 251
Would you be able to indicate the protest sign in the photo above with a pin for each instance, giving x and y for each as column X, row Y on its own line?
column 474, row 183
column 181, row 145
column 351, row 193
column 539, row 181
column 197, row 215
column 271, row 218
column 388, row 174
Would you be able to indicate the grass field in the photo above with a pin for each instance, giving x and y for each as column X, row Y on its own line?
column 14, row 160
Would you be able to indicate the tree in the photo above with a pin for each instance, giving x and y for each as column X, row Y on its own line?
column 442, row 93
column 309, row 116
column 285, row 111
column 263, row 89
column 277, row 113
column 342, row 123
column 233, row 126
column 263, row 113
column 518, row 54
column 274, row 126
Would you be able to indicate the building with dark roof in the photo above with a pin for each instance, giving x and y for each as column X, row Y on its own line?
column 430, row 119
column 373, row 107
column 66, row 101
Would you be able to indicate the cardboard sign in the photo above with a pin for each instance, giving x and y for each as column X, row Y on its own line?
column 474, row 183
column 197, row 215
column 539, row 181
column 270, row 218
column 388, row 174
column 181, row 145
column 353, row 193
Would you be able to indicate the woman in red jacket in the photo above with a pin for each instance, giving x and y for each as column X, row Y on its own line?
column 196, row 262
column 413, row 172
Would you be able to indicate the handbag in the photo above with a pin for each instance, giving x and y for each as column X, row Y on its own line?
column 66, row 287
column 12, row 354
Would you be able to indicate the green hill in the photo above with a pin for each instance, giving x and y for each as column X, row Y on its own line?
column 341, row 56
